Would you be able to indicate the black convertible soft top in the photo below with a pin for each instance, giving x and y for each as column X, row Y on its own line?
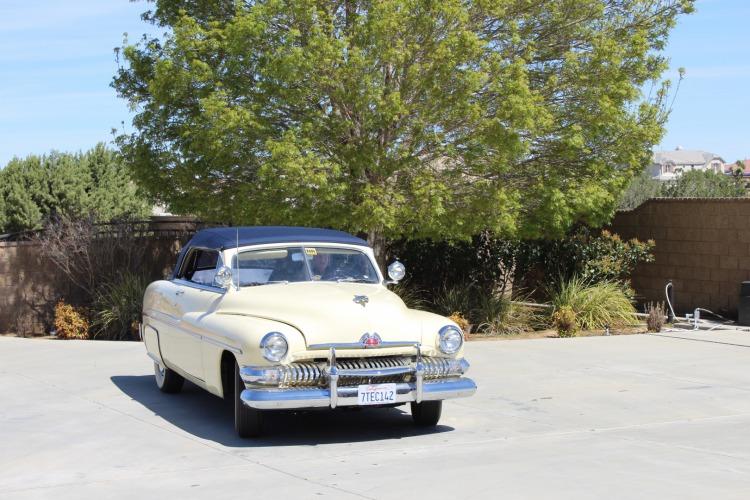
column 221, row 238
column 227, row 237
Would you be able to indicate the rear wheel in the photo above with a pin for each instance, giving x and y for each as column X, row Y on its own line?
column 167, row 380
column 426, row 413
column 247, row 421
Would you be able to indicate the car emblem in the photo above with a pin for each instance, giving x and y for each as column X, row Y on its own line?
column 370, row 340
column 361, row 300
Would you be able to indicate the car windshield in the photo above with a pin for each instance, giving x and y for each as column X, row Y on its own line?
column 294, row 264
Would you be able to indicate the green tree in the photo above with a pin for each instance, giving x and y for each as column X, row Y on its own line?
column 3, row 216
column 704, row 184
column 92, row 183
column 643, row 187
column 112, row 192
column 25, row 193
column 397, row 117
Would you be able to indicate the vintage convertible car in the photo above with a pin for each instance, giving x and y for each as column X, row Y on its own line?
column 297, row 318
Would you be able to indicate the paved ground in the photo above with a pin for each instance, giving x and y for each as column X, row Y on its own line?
column 605, row 417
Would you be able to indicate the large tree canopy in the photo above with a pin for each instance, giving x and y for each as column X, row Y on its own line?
column 95, row 183
column 397, row 117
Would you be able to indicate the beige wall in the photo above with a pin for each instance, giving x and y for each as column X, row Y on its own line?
column 703, row 245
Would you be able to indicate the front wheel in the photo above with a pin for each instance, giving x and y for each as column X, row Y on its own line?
column 247, row 421
column 167, row 380
column 426, row 413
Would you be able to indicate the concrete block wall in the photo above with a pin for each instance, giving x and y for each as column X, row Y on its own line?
column 30, row 286
column 702, row 245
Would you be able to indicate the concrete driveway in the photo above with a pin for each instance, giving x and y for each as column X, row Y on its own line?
column 639, row 416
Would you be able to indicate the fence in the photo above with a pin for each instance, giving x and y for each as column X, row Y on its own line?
column 702, row 245
column 30, row 285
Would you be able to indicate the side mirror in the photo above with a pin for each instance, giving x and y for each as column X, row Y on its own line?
column 396, row 271
column 223, row 278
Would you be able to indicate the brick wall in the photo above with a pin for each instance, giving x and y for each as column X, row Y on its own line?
column 702, row 245
column 30, row 286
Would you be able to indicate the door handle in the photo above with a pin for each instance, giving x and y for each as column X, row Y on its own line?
column 179, row 292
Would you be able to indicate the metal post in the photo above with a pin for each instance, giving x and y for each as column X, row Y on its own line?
column 333, row 378
column 670, row 298
column 419, row 368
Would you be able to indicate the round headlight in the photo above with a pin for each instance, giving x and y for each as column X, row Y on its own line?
column 274, row 346
column 396, row 271
column 451, row 339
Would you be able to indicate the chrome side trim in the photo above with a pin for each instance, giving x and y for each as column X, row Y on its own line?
column 267, row 399
column 208, row 288
column 156, row 360
column 358, row 345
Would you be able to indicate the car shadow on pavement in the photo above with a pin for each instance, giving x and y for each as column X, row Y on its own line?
column 209, row 417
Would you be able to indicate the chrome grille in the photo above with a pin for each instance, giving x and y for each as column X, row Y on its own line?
column 312, row 374
column 372, row 363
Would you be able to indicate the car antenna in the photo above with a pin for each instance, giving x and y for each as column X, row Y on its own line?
column 237, row 255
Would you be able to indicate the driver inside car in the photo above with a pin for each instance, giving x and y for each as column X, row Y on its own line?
column 319, row 265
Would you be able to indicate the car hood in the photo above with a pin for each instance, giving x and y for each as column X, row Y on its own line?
column 325, row 312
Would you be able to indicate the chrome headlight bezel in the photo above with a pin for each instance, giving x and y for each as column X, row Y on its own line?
column 450, row 339
column 274, row 346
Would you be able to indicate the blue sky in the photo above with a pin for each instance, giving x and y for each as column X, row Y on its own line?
column 56, row 62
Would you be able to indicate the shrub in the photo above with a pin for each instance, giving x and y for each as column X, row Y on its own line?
column 565, row 321
column 602, row 257
column 70, row 323
column 656, row 316
column 499, row 265
column 596, row 305
column 117, row 307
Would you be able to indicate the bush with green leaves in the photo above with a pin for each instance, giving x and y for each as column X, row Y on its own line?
column 593, row 255
column 500, row 265
column 704, row 184
column 595, row 305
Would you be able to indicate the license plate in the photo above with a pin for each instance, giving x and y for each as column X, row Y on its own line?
column 377, row 394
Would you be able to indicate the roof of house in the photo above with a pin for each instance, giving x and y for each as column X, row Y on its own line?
column 229, row 237
column 685, row 157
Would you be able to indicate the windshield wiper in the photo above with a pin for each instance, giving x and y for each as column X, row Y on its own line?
column 349, row 279
column 258, row 283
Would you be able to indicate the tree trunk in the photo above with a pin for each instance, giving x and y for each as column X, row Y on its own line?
column 376, row 239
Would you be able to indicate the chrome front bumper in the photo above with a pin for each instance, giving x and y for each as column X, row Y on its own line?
column 279, row 399
column 258, row 394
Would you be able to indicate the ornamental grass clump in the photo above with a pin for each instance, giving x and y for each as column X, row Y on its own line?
column 596, row 305
column 117, row 307
column 656, row 316
column 410, row 294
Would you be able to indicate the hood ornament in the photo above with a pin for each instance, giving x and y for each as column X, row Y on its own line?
column 361, row 300
column 370, row 340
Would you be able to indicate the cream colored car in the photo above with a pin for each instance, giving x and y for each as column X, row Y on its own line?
column 296, row 318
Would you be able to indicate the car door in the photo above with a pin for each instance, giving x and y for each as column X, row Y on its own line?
column 193, row 295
